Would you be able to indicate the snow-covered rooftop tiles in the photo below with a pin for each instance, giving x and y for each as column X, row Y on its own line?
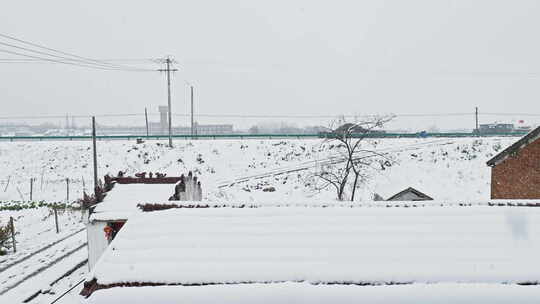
column 333, row 245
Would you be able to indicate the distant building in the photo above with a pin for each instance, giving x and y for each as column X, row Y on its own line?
column 410, row 194
column 352, row 129
column 163, row 118
column 213, row 129
column 496, row 128
column 515, row 172
column 355, row 129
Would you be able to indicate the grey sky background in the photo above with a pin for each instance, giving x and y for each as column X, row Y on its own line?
column 280, row 57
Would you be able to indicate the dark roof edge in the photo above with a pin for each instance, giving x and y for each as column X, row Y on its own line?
column 518, row 145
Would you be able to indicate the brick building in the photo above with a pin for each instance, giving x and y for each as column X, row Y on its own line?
column 515, row 172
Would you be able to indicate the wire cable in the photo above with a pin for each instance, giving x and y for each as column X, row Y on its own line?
column 88, row 60
column 261, row 116
column 60, row 57
column 68, row 62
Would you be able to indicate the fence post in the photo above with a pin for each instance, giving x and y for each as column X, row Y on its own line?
column 31, row 187
column 56, row 219
column 67, row 191
column 13, row 234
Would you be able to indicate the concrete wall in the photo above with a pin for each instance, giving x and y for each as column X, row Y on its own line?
column 518, row 176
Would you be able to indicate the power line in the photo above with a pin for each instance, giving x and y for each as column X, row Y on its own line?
column 64, row 53
column 325, row 116
column 261, row 116
column 141, row 60
column 63, row 62
column 60, row 57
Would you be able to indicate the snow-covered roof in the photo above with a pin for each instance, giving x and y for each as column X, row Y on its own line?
column 388, row 189
column 323, row 245
column 322, row 294
column 416, row 194
column 123, row 199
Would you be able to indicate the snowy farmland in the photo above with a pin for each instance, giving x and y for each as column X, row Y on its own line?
column 237, row 171
column 445, row 169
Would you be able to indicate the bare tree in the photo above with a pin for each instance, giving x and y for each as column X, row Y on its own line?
column 351, row 167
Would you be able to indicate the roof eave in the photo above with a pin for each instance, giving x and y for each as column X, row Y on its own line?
column 518, row 145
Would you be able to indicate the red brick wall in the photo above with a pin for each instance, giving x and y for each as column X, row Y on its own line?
column 518, row 177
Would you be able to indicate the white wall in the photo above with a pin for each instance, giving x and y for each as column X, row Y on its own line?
column 97, row 243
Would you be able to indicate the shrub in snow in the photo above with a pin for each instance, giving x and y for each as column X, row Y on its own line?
column 5, row 238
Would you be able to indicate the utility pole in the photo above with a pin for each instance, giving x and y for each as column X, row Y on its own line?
column 95, row 157
column 192, row 125
column 476, row 116
column 169, row 99
column 146, row 117
column 168, row 69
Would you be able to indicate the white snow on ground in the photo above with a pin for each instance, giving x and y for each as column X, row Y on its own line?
column 319, row 294
column 446, row 169
column 450, row 170
column 44, row 279
column 38, row 261
column 430, row 244
column 35, row 228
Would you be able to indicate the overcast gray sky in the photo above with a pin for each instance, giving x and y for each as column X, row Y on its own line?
column 280, row 57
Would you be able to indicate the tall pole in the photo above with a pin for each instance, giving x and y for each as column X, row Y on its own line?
column 95, row 157
column 476, row 116
column 192, row 125
column 168, row 62
column 169, row 98
column 146, row 118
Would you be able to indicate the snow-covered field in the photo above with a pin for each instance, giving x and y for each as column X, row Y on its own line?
column 445, row 169
column 449, row 169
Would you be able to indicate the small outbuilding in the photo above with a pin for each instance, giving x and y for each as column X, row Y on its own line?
column 127, row 195
column 410, row 194
column 515, row 172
